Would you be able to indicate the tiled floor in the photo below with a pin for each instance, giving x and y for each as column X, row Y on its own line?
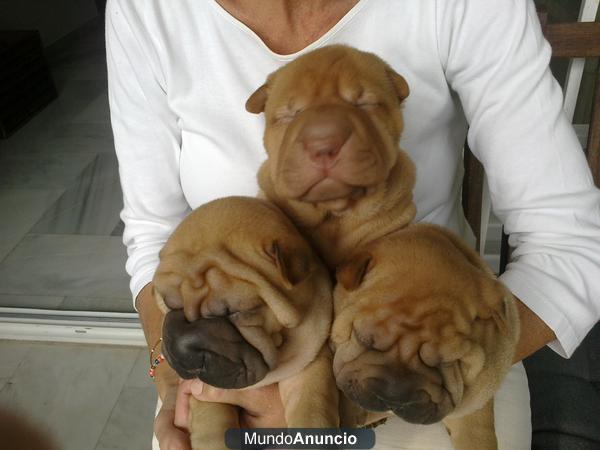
column 81, row 397
column 59, row 193
column 60, row 200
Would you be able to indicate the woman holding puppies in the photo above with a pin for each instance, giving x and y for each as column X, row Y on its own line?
column 179, row 75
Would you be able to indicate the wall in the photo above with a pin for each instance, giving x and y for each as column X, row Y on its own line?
column 53, row 18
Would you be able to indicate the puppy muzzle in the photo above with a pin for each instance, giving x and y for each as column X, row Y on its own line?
column 212, row 350
column 330, row 152
column 407, row 394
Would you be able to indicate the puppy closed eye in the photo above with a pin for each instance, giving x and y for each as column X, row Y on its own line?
column 369, row 105
column 250, row 317
column 368, row 101
column 285, row 115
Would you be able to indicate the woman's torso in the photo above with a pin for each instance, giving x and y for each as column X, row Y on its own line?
column 210, row 63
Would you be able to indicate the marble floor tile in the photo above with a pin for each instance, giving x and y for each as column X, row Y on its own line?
column 130, row 423
column 64, row 157
column 138, row 377
column 31, row 301
column 78, row 53
column 68, row 390
column 91, row 205
column 74, row 97
column 90, row 67
column 12, row 353
column 134, row 410
column 87, row 39
column 78, row 137
column 73, row 144
column 118, row 231
column 66, row 265
column 87, row 130
column 124, row 305
column 21, row 209
column 54, row 170
column 26, row 138
column 96, row 112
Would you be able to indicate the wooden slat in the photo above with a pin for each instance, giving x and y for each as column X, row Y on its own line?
column 568, row 40
column 505, row 252
column 593, row 143
column 472, row 194
column 543, row 16
column 574, row 40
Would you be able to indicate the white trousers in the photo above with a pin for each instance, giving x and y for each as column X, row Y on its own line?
column 511, row 410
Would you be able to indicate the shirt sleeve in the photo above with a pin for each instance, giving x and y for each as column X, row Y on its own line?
column 496, row 60
column 147, row 140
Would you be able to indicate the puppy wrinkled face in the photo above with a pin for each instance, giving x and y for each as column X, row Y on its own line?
column 404, row 341
column 238, row 284
column 333, row 122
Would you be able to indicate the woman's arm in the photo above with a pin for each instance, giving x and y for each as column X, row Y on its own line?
column 534, row 333
column 147, row 139
column 496, row 59
column 147, row 143
column 167, row 381
column 151, row 318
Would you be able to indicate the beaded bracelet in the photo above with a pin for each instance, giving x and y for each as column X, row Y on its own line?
column 154, row 362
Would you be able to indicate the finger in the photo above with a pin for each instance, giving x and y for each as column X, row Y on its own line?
column 168, row 435
column 176, row 440
column 262, row 421
column 258, row 402
column 182, row 404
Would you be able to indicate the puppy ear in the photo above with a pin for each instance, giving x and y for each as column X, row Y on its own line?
column 352, row 273
column 257, row 101
column 399, row 83
column 292, row 266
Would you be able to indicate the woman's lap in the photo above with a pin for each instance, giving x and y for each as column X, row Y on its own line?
column 512, row 417
column 512, row 414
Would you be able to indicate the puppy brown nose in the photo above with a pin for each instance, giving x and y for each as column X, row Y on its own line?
column 323, row 134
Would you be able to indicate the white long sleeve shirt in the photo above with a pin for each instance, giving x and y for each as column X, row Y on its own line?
column 180, row 72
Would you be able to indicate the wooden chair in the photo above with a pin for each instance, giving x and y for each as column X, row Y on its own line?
column 568, row 40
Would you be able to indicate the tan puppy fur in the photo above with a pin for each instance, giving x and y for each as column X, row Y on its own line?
column 429, row 316
column 424, row 328
column 333, row 123
column 242, row 259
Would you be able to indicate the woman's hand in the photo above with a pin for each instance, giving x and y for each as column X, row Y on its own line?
column 169, row 436
column 260, row 407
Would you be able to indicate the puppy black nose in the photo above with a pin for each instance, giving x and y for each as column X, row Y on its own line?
column 400, row 391
column 212, row 350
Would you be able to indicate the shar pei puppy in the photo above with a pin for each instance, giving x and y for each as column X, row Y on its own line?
column 333, row 123
column 421, row 327
column 248, row 304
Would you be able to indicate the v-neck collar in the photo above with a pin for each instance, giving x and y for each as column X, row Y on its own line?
column 315, row 44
